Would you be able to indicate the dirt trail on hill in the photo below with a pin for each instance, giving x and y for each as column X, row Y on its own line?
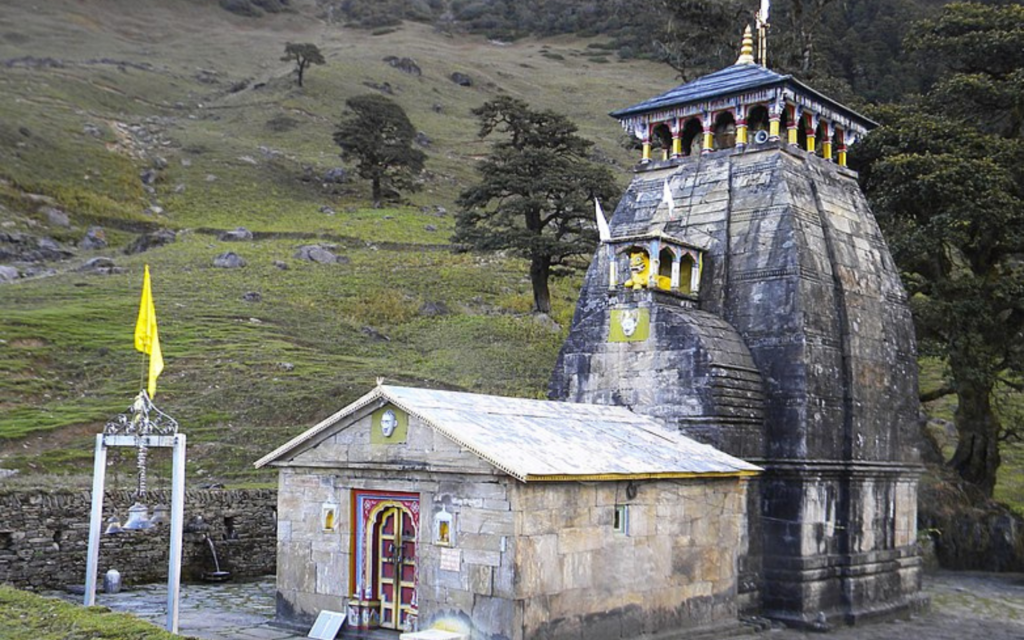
column 964, row 606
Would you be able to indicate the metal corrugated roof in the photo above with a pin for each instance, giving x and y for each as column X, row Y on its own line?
column 547, row 440
column 731, row 80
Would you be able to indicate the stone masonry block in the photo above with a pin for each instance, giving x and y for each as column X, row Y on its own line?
column 481, row 557
column 480, row 578
column 493, row 616
column 539, row 565
column 504, row 579
column 575, row 540
column 578, row 571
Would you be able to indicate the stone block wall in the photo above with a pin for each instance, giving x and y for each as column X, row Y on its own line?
column 316, row 566
column 674, row 571
column 44, row 537
column 478, row 599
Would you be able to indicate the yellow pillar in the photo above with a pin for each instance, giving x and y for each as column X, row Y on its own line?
column 773, row 128
column 791, row 135
column 826, row 140
column 709, row 141
column 647, row 153
column 842, row 156
column 810, row 142
column 677, row 146
column 741, row 133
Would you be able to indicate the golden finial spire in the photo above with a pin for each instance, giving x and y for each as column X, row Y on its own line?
column 747, row 50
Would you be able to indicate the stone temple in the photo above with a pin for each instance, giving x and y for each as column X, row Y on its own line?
column 743, row 293
column 745, row 322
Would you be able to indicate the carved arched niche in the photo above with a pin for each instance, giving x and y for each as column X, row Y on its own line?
column 675, row 266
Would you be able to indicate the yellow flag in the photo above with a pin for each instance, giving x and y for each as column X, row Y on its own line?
column 147, row 340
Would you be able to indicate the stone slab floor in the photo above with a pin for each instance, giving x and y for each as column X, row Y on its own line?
column 222, row 611
column 965, row 606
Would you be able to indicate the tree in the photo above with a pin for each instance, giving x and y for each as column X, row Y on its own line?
column 699, row 36
column 981, row 46
column 947, row 189
column 304, row 54
column 536, row 191
column 377, row 135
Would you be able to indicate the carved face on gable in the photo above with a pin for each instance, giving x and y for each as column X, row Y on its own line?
column 388, row 422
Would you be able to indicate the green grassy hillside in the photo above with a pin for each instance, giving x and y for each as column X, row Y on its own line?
column 92, row 94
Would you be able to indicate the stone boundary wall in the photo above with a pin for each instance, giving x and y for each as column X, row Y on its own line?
column 44, row 536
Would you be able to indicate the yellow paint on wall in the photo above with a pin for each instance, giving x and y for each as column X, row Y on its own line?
column 629, row 325
column 389, row 425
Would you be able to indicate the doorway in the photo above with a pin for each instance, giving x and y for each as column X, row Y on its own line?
column 387, row 528
column 394, row 540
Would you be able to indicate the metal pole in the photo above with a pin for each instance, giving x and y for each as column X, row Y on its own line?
column 177, row 524
column 99, row 471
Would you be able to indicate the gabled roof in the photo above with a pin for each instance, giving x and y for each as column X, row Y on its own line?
column 534, row 440
column 730, row 80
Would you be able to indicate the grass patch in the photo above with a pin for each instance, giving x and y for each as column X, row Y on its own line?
column 242, row 377
column 26, row 616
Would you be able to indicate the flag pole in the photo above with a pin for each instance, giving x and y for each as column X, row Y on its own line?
column 142, row 373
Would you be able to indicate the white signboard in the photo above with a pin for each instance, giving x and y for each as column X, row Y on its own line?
column 327, row 625
column 451, row 559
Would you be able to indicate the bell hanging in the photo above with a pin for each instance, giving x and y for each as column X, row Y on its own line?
column 160, row 515
column 138, row 518
column 113, row 526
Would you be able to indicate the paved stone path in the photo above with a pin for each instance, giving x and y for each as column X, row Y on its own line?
column 965, row 606
column 225, row 611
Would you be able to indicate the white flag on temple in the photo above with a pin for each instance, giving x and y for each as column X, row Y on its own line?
column 602, row 223
column 762, row 15
column 666, row 197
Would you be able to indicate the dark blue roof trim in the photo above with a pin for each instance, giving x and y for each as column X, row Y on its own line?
column 734, row 79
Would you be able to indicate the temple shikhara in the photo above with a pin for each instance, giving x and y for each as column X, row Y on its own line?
column 770, row 322
column 731, row 431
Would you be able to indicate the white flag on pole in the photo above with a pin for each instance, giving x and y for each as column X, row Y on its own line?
column 666, row 197
column 602, row 223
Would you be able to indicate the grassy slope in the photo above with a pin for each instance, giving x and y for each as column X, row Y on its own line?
column 65, row 358
column 242, row 377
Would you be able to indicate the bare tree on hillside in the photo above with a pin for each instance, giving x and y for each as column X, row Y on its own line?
column 304, row 54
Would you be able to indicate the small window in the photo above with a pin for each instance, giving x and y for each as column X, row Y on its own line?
column 620, row 519
column 328, row 517
column 443, row 522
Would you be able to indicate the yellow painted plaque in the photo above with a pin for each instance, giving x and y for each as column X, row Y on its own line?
column 389, row 425
column 630, row 325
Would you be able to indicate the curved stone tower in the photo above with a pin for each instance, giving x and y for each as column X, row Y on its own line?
column 744, row 293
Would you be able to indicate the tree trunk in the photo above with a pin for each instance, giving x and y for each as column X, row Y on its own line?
column 376, row 191
column 540, row 267
column 301, row 69
column 977, row 453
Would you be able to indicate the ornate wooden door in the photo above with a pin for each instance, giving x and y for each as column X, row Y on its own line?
column 396, row 555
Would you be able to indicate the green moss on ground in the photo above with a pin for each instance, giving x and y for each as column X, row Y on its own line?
column 26, row 616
